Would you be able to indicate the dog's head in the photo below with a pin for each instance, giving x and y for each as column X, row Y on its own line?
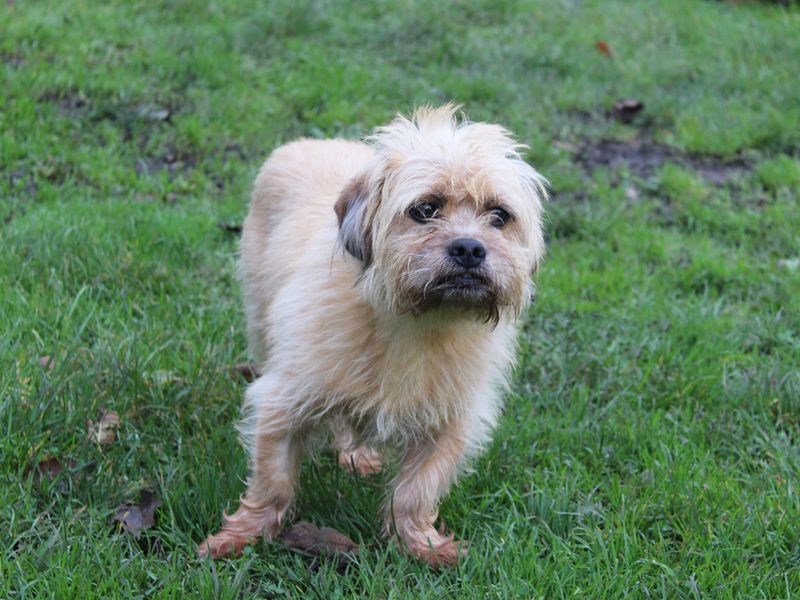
column 447, row 216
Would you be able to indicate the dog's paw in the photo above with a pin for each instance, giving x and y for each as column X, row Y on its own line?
column 434, row 547
column 223, row 544
column 243, row 527
column 363, row 460
column 446, row 554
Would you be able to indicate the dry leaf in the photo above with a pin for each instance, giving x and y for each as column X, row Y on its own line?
column 163, row 377
column 154, row 113
column 626, row 109
column 135, row 518
column 230, row 227
column 47, row 362
column 47, row 469
column 247, row 371
column 603, row 48
column 105, row 430
column 314, row 541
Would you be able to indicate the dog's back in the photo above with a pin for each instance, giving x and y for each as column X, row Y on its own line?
column 275, row 234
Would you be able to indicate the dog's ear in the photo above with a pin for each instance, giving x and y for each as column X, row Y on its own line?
column 355, row 231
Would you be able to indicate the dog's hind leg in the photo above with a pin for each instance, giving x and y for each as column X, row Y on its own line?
column 360, row 459
column 428, row 469
column 276, row 450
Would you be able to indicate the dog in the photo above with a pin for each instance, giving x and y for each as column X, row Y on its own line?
column 383, row 286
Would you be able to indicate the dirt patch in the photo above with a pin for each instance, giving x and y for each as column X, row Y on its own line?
column 137, row 121
column 13, row 58
column 170, row 161
column 127, row 115
column 70, row 103
column 22, row 182
column 643, row 158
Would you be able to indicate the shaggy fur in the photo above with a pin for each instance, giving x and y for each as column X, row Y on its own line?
column 362, row 323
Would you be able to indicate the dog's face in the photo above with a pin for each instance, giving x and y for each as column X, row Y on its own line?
column 446, row 217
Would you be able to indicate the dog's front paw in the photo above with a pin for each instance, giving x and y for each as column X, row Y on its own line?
column 434, row 547
column 363, row 460
column 241, row 528
column 445, row 553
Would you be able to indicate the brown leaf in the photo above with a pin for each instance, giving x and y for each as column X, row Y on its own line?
column 625, row 109
column 48, row 469
column 247, row 371
column 105, row 430
column 47, row 362
column 314, row 541
column 135, row 518
column 230, row 227
column 603, row 48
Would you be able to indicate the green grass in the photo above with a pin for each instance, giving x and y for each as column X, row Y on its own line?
column 649, row 446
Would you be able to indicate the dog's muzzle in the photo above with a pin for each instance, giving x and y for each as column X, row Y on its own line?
column 463, row 286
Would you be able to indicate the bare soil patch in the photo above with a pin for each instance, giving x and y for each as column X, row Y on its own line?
column 643, row 158
column 171, row 161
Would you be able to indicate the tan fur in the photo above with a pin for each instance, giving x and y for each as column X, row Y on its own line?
column 350, row 315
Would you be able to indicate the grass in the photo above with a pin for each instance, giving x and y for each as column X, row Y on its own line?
column 649, row 447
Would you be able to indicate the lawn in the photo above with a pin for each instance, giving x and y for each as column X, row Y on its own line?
column 649, row 445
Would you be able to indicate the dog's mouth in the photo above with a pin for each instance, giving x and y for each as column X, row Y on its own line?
column 468, row 292
column 465, row 281
column 464, row 288
column 464, row 285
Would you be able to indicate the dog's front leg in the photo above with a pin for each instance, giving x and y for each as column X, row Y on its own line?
column 276, row 453
column 428, row 469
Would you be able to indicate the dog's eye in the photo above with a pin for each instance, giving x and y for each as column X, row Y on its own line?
column 498, row 216
column 424, row 211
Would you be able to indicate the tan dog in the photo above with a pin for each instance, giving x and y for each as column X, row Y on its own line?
column 382, row 286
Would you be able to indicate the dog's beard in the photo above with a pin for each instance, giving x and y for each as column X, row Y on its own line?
column 472, row 292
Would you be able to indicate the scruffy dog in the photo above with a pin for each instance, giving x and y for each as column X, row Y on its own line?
column 383, row 284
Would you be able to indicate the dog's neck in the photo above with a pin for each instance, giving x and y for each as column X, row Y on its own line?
column 435, row 327
column 435, row 368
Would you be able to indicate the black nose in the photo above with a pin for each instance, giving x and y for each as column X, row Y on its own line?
column 467, row 252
